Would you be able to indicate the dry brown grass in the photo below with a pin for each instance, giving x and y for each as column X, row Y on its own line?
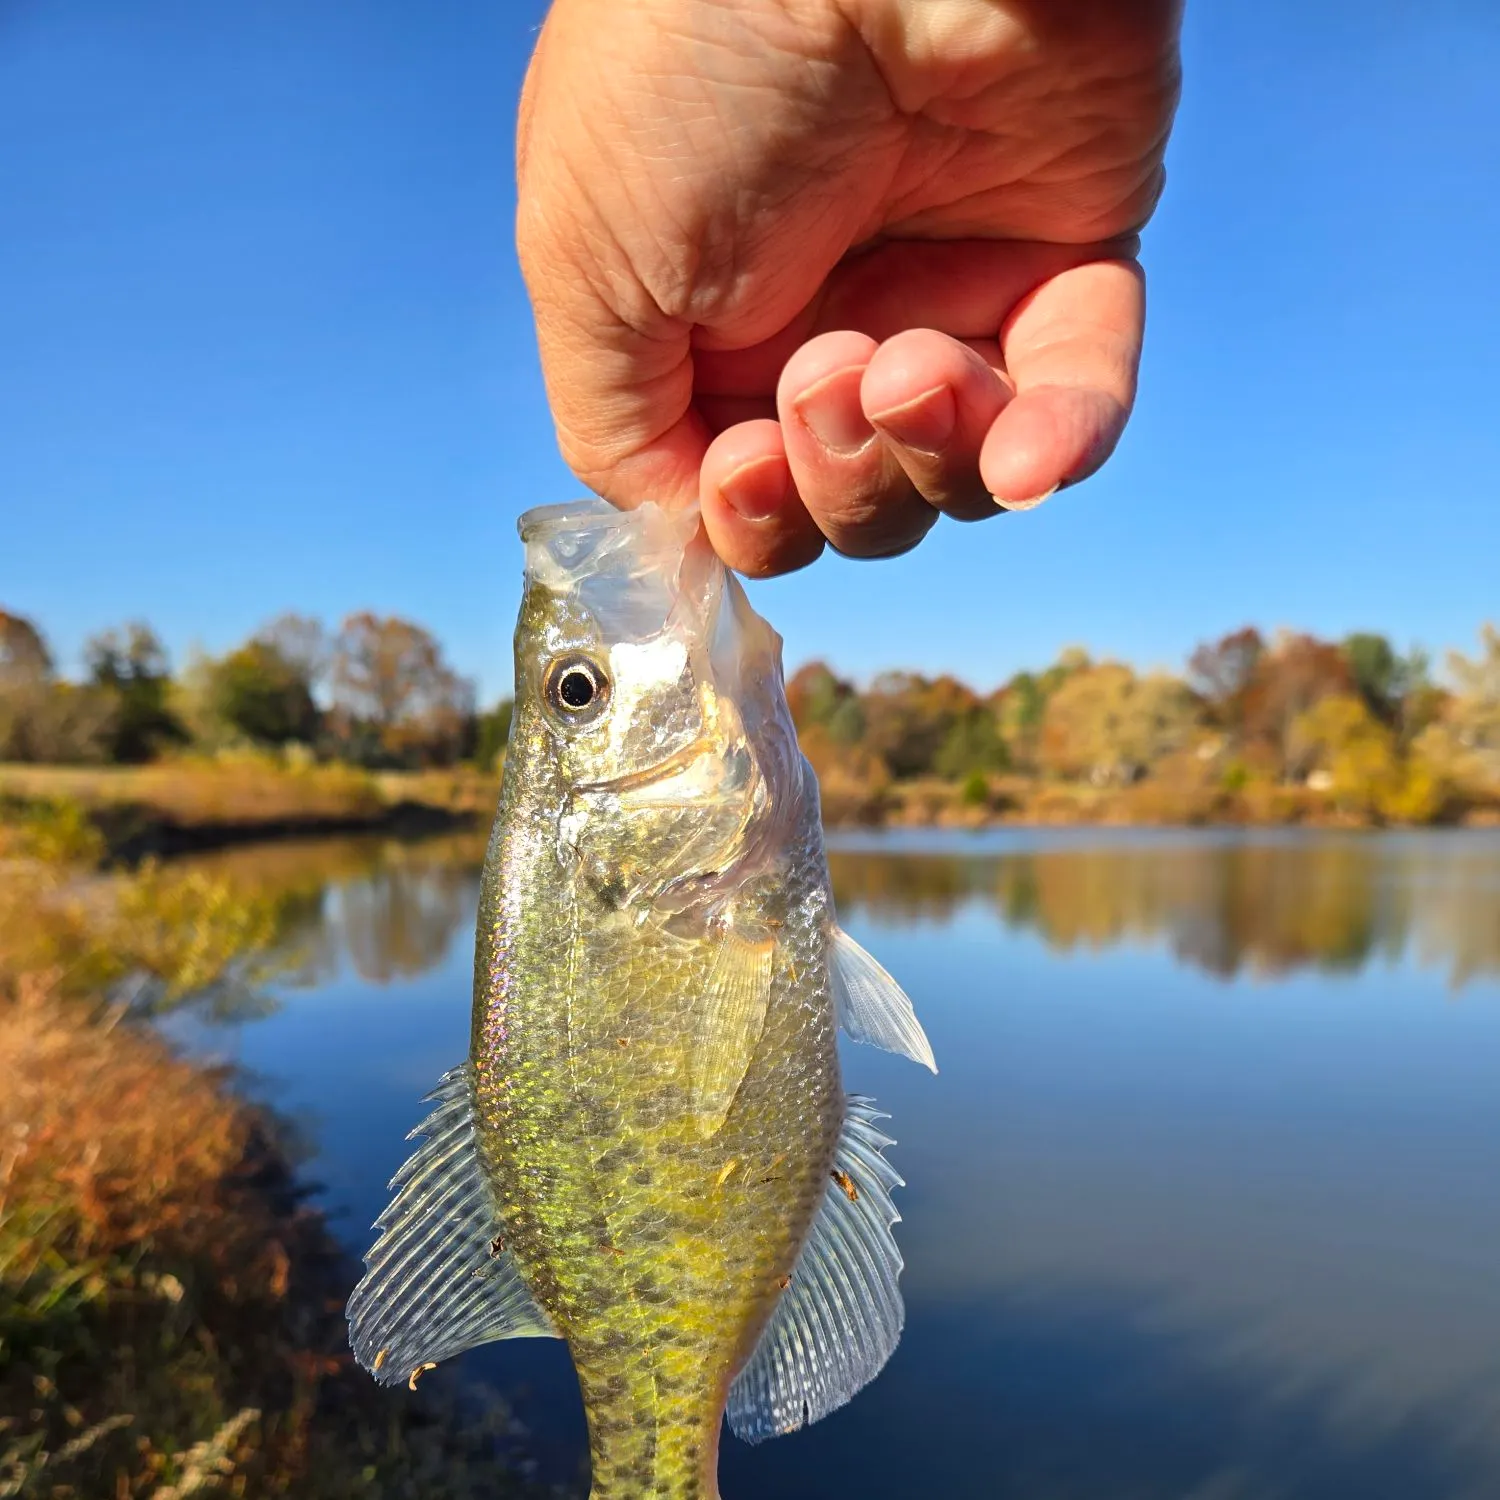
column 169, row 1307
column 189, row 791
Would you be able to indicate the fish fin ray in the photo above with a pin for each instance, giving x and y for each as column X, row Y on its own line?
column 432, row 1288
column 840, row 1319
column 733, row 1013
column 872, row 1007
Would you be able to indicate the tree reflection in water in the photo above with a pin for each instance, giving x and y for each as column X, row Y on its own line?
column 1271, row 907
column 1226, row 905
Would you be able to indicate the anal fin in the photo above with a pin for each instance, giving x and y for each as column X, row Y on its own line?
column 438, row 1280
column 841, row 1315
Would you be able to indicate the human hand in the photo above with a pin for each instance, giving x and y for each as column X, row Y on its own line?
column 834, row 267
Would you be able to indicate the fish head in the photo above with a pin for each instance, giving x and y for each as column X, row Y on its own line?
column 650, row 701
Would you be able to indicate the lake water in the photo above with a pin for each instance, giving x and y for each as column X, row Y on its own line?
column 1202, row 1205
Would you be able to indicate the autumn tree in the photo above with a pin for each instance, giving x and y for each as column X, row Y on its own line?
column 42, row 719
column 1463, row 745
column 1221, row 672
column 131, row 665
column 1108, row 726
column 910, row 718
column 24, row 658
column 1341, row 737
column 395, row 696
column 301, row 642
column 1290, row 678
column 1021, row 703
column 818, row 698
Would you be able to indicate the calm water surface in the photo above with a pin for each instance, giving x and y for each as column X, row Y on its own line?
column 1203, row 1202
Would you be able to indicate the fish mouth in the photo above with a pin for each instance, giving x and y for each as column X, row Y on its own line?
column 678, row 764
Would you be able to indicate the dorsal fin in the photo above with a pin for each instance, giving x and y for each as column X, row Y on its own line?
column 439, row 1279
column 872, row 1007
column 840, row 1316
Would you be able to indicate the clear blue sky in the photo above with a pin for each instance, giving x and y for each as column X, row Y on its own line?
column 264, row 345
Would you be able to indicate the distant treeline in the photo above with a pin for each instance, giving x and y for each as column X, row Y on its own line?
column 377, row 693
column 1366, row 727
column 1369, row 729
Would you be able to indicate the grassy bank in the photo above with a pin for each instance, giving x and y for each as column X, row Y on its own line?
column 170, row 1305
column 983, row 801
column 170, row 1322
column 127, row 813
column 172, row 806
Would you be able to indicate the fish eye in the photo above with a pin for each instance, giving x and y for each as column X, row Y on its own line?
column 576, row 687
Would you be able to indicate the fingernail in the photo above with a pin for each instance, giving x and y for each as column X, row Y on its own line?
column 924, row 424
column 758, row 489
column 830, row 410
column 1030, row 504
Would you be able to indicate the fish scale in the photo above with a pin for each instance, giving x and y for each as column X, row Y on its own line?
column 649, row 1152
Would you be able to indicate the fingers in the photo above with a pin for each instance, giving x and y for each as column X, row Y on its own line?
column 774, row 492
column 873, row 441
column 877, row 438
column 751, row 510
column 934, row 400
column 848, row 479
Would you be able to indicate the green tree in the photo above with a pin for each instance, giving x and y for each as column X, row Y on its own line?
column 131, row 665
column 261, row 696
column 1419, row 699
column 492, row 732
column 972, row 746
column 817, row 697
column 1376, row 671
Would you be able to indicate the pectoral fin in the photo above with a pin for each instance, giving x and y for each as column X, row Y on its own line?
column 729, row 1023
column 438, row 1280
column 872, row 1007
column 841, row 1314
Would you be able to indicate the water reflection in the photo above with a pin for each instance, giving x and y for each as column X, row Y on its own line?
column 1264, row 906
column 1169, row 1235
column 387, row 909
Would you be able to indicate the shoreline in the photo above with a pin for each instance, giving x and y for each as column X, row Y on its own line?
column 124, row 816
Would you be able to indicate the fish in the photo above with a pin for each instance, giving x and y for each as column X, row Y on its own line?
column 649, row 1152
